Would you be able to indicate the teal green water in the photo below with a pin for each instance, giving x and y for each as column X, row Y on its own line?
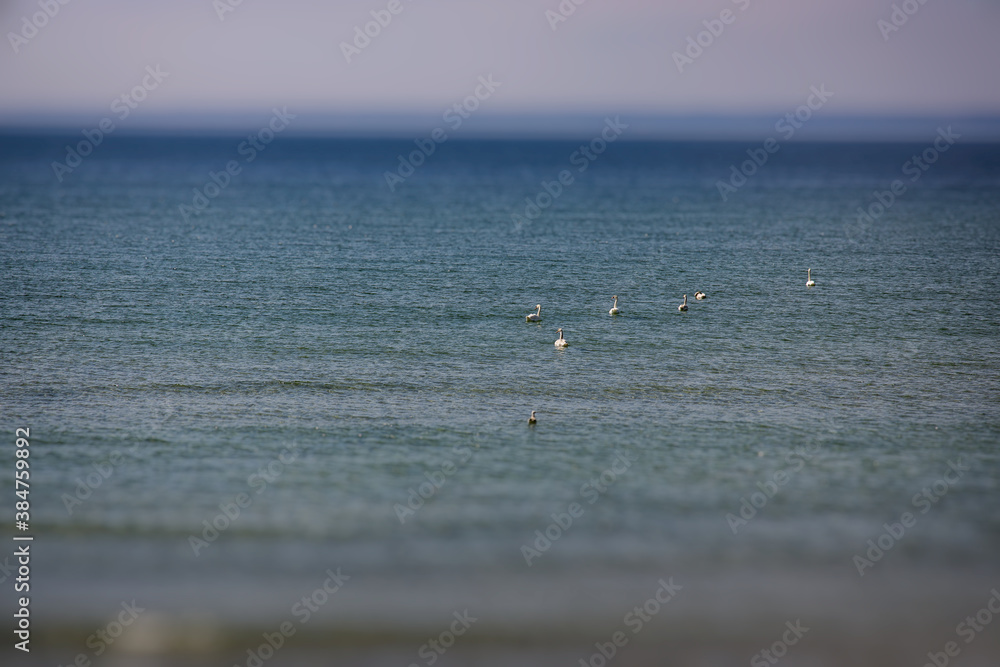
column 382, row 334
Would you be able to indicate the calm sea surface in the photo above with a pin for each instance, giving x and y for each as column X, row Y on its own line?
column 376, row 341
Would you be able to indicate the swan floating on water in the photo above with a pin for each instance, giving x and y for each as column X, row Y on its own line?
column 535, row 316
column 700, row 295
column 614, row 309
column 810, row 282
column 683, row 306
column 531, row 419
column 560, row 342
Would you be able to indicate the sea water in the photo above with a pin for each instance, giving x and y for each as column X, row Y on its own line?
column 311, row 370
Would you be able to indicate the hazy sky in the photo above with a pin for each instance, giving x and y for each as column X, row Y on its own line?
column 607, row 56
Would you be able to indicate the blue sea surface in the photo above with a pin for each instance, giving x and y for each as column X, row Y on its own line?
column 327, row 345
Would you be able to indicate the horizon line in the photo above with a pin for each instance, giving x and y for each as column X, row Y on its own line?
column 844, row 127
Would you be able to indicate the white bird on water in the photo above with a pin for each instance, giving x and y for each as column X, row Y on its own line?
column 531, row 419
column 560, row 342
column 535, row 316
column 614, row 309
column 700, row 295
column 683, row 306
column 809, row 276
